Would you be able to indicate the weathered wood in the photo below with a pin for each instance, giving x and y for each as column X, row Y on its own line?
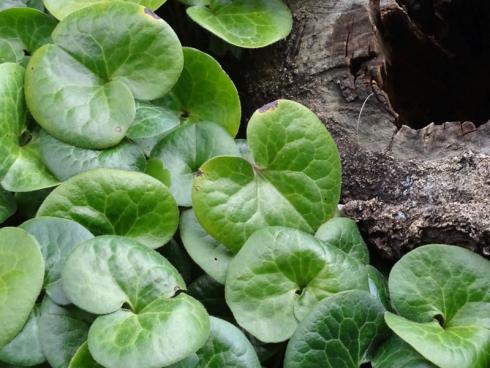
column 405, row 186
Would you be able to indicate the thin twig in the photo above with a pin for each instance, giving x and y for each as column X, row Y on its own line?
column 360, row 114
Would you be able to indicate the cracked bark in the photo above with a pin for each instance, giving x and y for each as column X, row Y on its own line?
column 405, row 186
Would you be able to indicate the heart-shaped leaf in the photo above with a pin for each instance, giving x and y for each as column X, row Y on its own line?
column 208, row 253
column 338, row 333
column 109, row 201
column 21, row 169
column 397, row 353
column 343, row 233
column 57, row 238
column 183, row 151
column 21, row 280
column 162, row 327
column 227, row 346
column 96, row 68
column 25, row 350
column 23, row 31
column 244, row 23
column 294, row 182
column 63, row 330
column 65, row 160
column 280, row 275
column 442, row 294
column 8, row 205
column 62, row 8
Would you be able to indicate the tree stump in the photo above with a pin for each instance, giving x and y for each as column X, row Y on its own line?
column 404, row 88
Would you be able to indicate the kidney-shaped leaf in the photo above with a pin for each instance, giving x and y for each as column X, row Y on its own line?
column 295, row 181
column 338, row 333
column 23, row 31
column 397, row 353
column 280, row 274
column 103, row 57
column 442, row 294
column 21, row 280
column 244, row 23
column 183, row 151
column 57, row 238
column 109, row 201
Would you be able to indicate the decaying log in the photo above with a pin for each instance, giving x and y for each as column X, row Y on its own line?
column 404, row 88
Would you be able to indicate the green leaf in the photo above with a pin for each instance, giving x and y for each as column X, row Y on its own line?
column 378, row 286
column 294, row 182
column 57, row 238
column 227, row 346
column 23, row 31
column 21, row 280
column 184, row 150
column 83, row 359
column 244, row 23
column 65, row 160
column 280, row 275
column 62, row 8
column 155, row 168
column 212, row 295
column 338, row 333
column 25, row 349
column 7, row 4
column 8, row 205
column 21, row 169
column 397, row 353
column 442, row 294
column 343, row 233
column 63, row 330
column 209, row 254
column 109, row 201
column 96, row 69
column 204, row 93
column 176, row 255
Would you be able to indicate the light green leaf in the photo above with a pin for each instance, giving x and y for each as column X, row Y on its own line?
column 244, row 23
column 343, row 233
column 62, row 8
column 338, row 333
column 83, row 359
column 378, row 286
column 109, row 201
column 294, row 182
column 397, row 353
column 105, row 56
column 21, row 280
column 63, row 330
column 57, row 238
column 155, row 168
column 208, row 253
column 8, row 205
column 280, row 275
column 183, row 151
column 7, row 4
column 442, row 294
column 65, row 160
column 22, row 31
column 25, row 349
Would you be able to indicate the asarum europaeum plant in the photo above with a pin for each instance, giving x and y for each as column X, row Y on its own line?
column 114, row 137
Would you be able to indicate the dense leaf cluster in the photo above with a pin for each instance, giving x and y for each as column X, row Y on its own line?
column 148, row 236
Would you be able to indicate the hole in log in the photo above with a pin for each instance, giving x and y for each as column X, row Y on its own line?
column 438, row 69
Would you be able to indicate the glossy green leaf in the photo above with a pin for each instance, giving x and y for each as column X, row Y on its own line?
column 103, row 58
column 65, row 160
column 207, row 252
column 57, row 238
column 83, row 359
column 397, row 353
column 280, row 275
column 183, row 151
column 442, row 294
column 343, row 233
column 227, row 346
column 25, row 349
column 22, row 31
column 155, row 168
column 295, row 181
column 63, row 330
column 21, row 280
column 378, row 286
column 8, row 205
column 62, row 8
column 109, row 201
column 21, row 169
column 244, row 23
column 204, row 93
column 338, row 333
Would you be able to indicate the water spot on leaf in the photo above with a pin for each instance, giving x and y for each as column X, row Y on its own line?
column 118, row 129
